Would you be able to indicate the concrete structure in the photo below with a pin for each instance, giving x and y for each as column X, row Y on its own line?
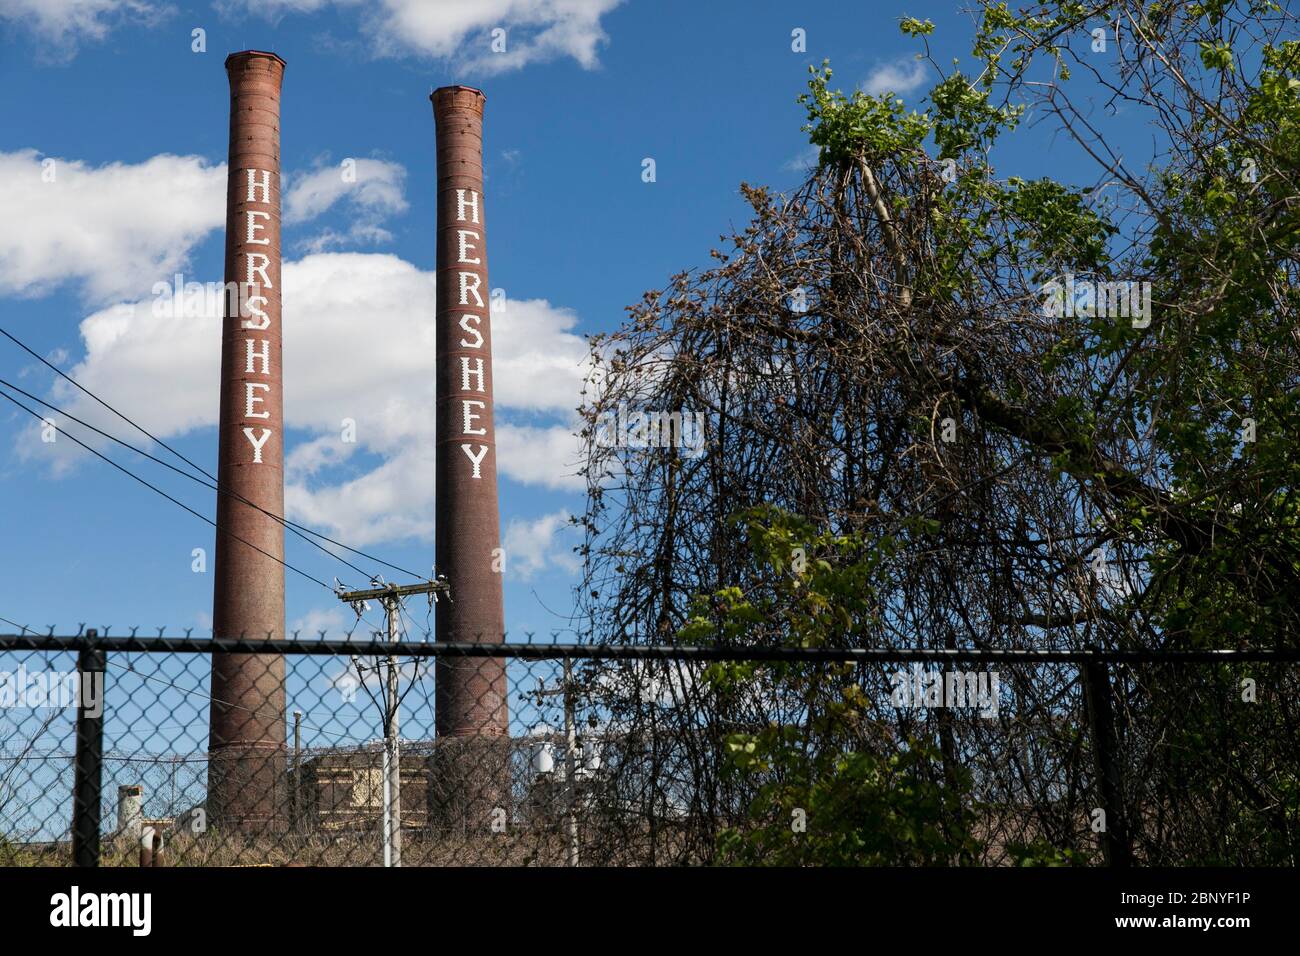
column 341, row 789
column 471, row 693
column 130, row 811
column 344, row 789
column 246, row 775
column 132, row 824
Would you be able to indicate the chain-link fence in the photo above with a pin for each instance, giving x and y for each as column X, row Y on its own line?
column 114, row 750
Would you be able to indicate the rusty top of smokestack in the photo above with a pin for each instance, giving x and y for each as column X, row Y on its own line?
column 443, row 92
column 250, row 53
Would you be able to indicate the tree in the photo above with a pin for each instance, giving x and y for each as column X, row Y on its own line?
column 888, row 353
column 836, row 785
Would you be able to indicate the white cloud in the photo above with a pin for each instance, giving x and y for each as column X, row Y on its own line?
column 459, row 31
column 372, row 188
column 359, row 345
column 547, row 456
column 116, row 228
column 369, row 184
column 531, row 546
column 119, row 228
column 392, row 502
column 305, row 460
column 329, row 620
column 807, row 158
column 359, row 234
column 899, row 76
column 64, row 24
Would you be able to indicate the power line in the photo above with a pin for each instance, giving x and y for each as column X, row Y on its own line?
column 291, row 525
column 128, row 472
column 211, row 485
column 280, row 518
column 155, row 488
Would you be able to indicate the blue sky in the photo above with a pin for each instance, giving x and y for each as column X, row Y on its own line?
column 136, row 123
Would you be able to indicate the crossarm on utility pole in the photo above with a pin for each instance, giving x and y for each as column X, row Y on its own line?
column 396, row 591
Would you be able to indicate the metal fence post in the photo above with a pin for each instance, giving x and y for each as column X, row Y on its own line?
column 1101, row 723
column 88, row 768
column 295, row 795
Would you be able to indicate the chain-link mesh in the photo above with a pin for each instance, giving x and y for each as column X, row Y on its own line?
column 663, row 759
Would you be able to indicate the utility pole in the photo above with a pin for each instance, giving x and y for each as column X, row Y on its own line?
column 390, row 595
column 566, row 689
column 392, row 750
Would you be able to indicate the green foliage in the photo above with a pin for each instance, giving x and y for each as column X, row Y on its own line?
column 859, row 809
column 1041, row 853
column 862, row 125
column 964, row 118
column 916, row 28
column 1216, row 55
column 821, row 584
column 825, row 795
column 849, row 127
column 1057, row 226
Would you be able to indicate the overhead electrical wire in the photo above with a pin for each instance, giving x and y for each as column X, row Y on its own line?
column 126, row 471
column 180, row 471
column 155, row 488
column 290, row 525
column 215, row 485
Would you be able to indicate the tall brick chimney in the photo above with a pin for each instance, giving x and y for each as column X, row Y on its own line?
column 247, row 727
column 471, row 692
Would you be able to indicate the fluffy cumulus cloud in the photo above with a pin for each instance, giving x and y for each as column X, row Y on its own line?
column 117, row 229
column 371, row 189
column 540, row 454
column 899, row 76
column 460, row 31
column 331, row 620
column 533, row 546
column 62, row 25
column 114, row 229
column 359, row 355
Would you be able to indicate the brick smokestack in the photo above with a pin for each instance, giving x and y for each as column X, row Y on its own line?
column 471, row 692
column 247, row 730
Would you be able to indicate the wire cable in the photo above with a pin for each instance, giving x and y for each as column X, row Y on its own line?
column 180, row 471
column 216, row 484
column 280, row 518
column 155, row 488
